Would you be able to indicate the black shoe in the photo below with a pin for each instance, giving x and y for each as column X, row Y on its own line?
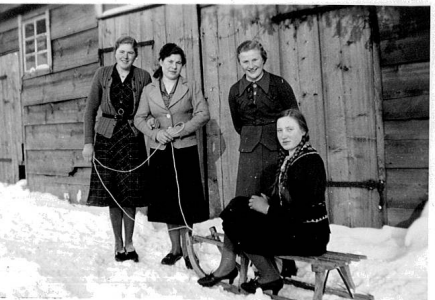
column 188, row 263
column 170, row 259
column 210, row 280
column 289, row 268
column 120, row 256
column 132, row 255
column 253, row 285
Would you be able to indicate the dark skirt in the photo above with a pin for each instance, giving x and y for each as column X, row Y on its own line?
column 123, row 151
column 256, row 233
column 168, row 204
column 256, row 171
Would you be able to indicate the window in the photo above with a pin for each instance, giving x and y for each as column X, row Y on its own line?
column 36, row 46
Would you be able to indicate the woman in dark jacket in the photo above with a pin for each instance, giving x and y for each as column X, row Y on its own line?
column 255, row 102
column 293, row 221
column 118, row 145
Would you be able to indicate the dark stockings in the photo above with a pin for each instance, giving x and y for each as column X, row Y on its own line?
column 266, row 266
column 177, row 235
column 117, row 216
column 228, row 259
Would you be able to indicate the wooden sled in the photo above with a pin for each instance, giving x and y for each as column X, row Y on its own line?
column 320, row 265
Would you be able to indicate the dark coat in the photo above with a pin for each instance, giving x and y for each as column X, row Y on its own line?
column 254, row 110
column 256, row 123
column 298, row 227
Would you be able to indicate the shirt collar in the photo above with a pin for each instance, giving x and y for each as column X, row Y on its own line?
column 263, row 83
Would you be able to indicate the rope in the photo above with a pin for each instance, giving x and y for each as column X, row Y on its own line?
column 181, row 125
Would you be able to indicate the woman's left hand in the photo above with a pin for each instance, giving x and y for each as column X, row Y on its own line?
column 259, row 203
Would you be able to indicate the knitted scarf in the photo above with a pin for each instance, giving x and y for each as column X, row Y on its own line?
column 284, row 162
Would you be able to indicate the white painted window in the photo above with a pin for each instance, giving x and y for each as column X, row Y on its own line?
column 36, row 44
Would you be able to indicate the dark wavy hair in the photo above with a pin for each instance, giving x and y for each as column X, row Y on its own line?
column 251, row 45
column 126, row 40
column 166, row 51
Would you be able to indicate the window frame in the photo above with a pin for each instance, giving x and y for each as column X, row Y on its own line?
column 22, row 24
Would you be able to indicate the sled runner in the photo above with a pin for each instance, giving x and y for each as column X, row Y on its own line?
column 320, row 265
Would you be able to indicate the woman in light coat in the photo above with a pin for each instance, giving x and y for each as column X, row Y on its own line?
column 178, row 110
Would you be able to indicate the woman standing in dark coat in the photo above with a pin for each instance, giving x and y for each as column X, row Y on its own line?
column 117, row 145
column 292, row 221
column 255, row 102
column 179, row 110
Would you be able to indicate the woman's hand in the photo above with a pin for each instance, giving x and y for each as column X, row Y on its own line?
column 152, row 123
column 88, row 152
column 163, row 137
column 259, row 203
column 174, row 131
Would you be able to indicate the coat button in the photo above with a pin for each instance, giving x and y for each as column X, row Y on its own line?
column 168, row 116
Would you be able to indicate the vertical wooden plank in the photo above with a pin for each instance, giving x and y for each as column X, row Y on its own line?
column 108, row 40
column 228, row 67
column 159, row 30
column 11, row 138
column 215, row 144
column 146, row 54
column 122, row 26
column 351, row 133
column 133, row 23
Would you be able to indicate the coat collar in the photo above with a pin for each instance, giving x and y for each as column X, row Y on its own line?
column 263, row 83
column 180, row 91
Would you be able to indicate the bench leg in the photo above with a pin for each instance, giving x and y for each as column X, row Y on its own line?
column 320, row 281
column 347, row 279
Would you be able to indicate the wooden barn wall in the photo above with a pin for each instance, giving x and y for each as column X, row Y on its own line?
column 11, row 133
column 405, row 46
column 53, row 105
column 152, row 28
column 332, row 73
column 327, row 57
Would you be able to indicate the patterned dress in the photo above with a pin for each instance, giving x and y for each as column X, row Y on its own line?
column 124, row 150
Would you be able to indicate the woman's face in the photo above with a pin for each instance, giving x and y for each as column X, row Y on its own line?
column 125, row 56
column 252, row 64
column 171, row 66
column 289, row 133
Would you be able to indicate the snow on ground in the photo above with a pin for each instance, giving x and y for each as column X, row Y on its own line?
column 52, row 249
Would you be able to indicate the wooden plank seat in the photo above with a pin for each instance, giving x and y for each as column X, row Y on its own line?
column 320, row 265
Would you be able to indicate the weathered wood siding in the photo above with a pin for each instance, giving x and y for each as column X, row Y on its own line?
column 327, row 57
column 360, row 74
column 53, row 105
column 405, row 48
column 11, row 134
column 154, row 27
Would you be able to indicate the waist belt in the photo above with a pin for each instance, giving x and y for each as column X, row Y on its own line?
column 117, row 117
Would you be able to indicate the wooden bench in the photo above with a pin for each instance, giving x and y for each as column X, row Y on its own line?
column 321, row 266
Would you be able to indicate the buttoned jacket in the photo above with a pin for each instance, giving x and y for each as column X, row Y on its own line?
column 256, row 124
column 187, row 106
column 99, row 97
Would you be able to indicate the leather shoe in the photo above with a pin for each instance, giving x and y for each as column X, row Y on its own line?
column 170, row 259
column 120, row 256
column 253, row 285
column 210, row 280
column 132, row 255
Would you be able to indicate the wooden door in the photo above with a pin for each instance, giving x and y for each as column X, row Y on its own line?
column 329, row 58
column 11, row 134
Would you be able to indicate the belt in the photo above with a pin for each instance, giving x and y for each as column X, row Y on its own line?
column 117, row 117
